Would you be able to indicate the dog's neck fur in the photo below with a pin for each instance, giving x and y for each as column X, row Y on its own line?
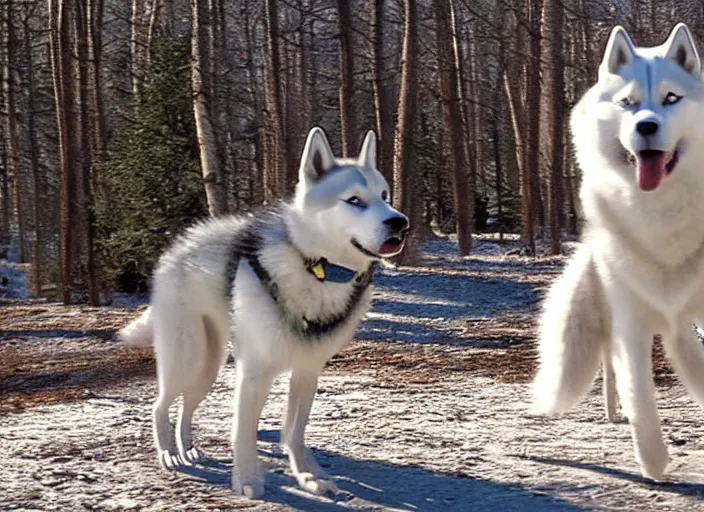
column 274, row 263
column 308, row 240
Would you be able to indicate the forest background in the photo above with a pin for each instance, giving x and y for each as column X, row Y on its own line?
column 122, row 123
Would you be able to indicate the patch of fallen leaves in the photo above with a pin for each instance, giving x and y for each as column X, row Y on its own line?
column 29, row 317
column 397, row 364
column 64, row 379
column 540, row 276
column 81, row 362
column 500, row 348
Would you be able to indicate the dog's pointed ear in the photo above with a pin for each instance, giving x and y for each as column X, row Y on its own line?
column 680, row 47
column 317, row 158
column 619, row 52
column 367, row 155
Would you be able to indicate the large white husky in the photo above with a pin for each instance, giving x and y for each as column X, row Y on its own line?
column 640, row 271
column 288, row 285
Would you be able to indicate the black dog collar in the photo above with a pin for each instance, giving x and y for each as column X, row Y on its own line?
column 323, row 270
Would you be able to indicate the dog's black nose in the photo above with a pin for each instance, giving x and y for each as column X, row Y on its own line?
column 397, row 223
column 646, row 128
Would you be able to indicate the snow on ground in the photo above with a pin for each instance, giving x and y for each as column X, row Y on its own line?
column 13, row 280
column 13, row 275
column 457, row 441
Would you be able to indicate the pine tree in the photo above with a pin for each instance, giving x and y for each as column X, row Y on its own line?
column 152, row 182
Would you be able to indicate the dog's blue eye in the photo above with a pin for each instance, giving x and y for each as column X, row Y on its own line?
column 385, row 196
column 354, row 201
column 671, row 98
column 627, row 102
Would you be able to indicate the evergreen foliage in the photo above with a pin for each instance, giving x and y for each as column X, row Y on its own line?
column 150, row 187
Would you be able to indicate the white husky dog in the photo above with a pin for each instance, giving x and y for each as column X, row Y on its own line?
column 640, row 271
column 288, row 285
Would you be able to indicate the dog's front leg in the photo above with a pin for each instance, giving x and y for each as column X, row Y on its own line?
column 686, row 353
column 631, row 357
column 252, row 386
column 310, row 476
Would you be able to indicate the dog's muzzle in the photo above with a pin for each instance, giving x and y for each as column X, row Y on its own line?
column 398, row 228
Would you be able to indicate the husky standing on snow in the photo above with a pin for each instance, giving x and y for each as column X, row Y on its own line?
column 288, row 285
column 640, row 271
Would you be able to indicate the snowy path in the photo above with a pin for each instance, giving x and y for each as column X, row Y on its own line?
column 460, row 444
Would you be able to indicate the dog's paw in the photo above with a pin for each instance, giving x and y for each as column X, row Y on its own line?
column 315, row 485
column 169, row 460
column 192, row 456
column 312, row 466
column 305, row 463
column 653, row 460
column 252, row 488
column 616, row 418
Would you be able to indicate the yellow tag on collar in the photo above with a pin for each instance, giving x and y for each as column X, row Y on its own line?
column 318, row 271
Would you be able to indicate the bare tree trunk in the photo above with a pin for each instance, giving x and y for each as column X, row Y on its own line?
column 508, row 131
column 448, row 64
column 82, row 22
column 38, row 177
column 257, row 181
column 276, row 154
column 60, row 22
column 382, row 97
column 136, row 49
column 517, row 124
column 406, row 180
column 552, row 27
column 304, row 92
column 588, row 59
column 312, row 75
column 202, row 100
column 4, row 198
column 217, row 51
column 13, row 147
column 499, row 175
column 469, row 88
column 154, row 15
column 530, row 170
column 347, row 117
column 95, row 35
column 570, row 190
column 478, row 84
column 292, row 106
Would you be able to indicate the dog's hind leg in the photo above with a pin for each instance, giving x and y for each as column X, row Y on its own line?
column 572, row 337
column 632, row 347
column 252, row 385
column 163, row 432
column 609, row 387
column 168, row 338
column 179, row 346
column 687, row 355
column 310, row 476
column 215, row 347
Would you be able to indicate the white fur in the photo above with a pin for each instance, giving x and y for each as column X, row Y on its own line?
column 191, row 319
column 139, row 333
column 640, row 271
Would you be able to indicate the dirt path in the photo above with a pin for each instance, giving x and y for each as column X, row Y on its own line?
column 426, row 411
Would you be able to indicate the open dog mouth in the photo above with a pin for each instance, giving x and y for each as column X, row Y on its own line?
column 390, row 247
column 653, row 166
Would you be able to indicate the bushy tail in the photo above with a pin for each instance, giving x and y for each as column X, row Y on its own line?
column 573, row 334
column 139, row 332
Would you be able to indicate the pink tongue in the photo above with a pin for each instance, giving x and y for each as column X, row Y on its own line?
column 651, row 170
column 388, row 248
